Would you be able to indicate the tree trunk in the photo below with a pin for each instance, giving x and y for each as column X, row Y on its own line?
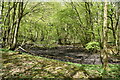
column 104, row 52
column 13, row 23
column 1, row 22
column 89, row 19
column 118, row 33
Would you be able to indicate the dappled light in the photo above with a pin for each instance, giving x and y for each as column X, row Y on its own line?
column 60, row 40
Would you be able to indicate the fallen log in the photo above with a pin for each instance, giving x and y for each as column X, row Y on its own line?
column 23, row 50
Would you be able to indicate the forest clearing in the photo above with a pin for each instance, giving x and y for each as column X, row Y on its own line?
column 60, row 40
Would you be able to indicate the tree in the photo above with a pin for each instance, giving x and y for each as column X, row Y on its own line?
column 11, row 23
column 105, row 37
column 11, row 17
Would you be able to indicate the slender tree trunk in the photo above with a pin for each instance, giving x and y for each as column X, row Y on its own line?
column 104, row 52
column 13, row 23
column 89, row 19
column 59, row 37
column 7, row 23
column 1, row 22
column 0, row 27
column 118, row 33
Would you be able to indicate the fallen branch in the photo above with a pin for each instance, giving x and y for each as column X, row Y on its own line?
column 24, row 50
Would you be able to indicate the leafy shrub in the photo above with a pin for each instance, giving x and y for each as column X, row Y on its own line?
column 93, row 46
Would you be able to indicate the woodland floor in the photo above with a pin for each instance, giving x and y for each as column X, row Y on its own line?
column 71, row 53
column 29, row 67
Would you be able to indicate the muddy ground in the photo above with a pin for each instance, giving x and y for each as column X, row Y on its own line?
column 68, row 54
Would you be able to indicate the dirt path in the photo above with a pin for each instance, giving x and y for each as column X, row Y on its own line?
column 69, row 54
